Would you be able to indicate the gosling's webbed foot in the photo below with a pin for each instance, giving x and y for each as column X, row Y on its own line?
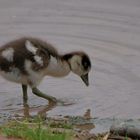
column 64, row 103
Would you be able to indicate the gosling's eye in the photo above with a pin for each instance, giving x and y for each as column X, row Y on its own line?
column 85, row 65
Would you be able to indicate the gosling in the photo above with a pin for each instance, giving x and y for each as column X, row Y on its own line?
column 28, row 60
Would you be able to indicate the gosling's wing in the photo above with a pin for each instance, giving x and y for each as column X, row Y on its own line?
column 16, row 53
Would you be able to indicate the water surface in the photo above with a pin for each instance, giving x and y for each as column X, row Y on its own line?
column 109, row 31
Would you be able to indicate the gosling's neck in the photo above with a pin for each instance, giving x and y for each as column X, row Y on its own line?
column 58, row 67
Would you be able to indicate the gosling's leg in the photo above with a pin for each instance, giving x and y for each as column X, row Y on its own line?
column 40, row 94
column 25, row 96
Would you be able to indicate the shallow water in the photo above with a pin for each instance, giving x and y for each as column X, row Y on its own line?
column 109, row 31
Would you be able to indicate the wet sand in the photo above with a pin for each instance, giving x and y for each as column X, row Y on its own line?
column 109, row 31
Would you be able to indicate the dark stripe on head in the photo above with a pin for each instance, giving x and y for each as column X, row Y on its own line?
column 86, row 62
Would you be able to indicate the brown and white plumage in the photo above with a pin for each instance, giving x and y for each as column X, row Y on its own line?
column 28, row 60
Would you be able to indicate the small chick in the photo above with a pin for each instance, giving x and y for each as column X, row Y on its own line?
column 28, row 60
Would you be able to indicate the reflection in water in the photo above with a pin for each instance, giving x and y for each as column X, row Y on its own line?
column 86, row 122
column 41, row 112
column 87, row 114
column 26, row 110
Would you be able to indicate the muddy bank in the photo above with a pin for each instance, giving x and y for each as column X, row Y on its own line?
column 79, row 127
column 84, row 122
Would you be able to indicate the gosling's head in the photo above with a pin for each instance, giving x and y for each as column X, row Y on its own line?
column 80, row 64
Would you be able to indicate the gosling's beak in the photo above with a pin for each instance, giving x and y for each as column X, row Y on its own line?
column 85, row 79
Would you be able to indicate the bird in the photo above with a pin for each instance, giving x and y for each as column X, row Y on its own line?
column 27, row 60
